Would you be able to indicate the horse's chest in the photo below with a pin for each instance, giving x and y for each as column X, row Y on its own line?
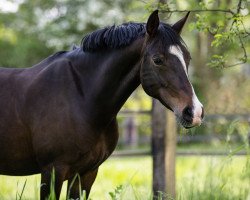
column 100, row 150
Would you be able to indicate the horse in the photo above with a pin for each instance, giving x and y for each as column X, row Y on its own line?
column 60, row 114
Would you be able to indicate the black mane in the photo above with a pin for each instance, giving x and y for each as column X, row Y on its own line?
column 115, row 37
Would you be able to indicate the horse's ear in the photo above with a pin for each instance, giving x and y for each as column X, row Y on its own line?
column 179, row 25
column 152, row 23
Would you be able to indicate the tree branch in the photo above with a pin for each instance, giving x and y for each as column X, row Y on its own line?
column 239, row 6
column 244, row 58
column 199, row 10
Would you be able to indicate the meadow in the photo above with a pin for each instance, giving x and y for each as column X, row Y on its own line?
column 129, row 178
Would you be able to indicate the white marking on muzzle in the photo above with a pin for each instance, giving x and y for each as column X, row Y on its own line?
column 197, row 106
column 176, row 51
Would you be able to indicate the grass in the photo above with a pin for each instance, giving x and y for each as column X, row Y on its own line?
column 201, row 178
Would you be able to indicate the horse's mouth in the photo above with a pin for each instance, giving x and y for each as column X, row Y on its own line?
column 187, row 124
column 188, row 127
column 183, row 123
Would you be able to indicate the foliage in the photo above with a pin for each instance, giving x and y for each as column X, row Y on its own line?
column 39, row 28
column 82, row 193
column 52, row 195
column 19, row 196
column 226, row 23
column 117, row 192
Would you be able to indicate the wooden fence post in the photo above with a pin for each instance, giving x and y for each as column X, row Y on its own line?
column 170, row 153
column 158, row 146
column 164, row 133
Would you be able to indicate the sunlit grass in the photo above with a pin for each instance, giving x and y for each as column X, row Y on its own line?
column 197, row 178
column 133, row 173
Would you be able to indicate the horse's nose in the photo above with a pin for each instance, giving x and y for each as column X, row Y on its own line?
column 193, row 116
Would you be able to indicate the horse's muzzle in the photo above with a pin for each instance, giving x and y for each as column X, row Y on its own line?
column 192, row 117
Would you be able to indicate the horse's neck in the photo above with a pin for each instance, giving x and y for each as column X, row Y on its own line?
column 117, row 78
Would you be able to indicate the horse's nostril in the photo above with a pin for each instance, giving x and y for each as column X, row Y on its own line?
column 188, row 111
column 202, row 113
column 187, row 114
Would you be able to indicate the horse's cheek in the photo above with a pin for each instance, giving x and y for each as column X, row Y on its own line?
column 149, row 81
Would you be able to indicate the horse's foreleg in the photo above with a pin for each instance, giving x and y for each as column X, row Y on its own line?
column 86, row 182
column 48, row 182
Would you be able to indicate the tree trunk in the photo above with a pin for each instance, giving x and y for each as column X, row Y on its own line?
column 164, row 133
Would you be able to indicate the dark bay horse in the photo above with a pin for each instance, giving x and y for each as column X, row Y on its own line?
column 61, row 113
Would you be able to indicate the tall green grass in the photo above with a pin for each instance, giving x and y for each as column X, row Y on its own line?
column 198, row 178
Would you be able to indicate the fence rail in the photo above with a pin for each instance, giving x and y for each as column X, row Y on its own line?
column 245, row 117
column 179, row 153
column 187, row 138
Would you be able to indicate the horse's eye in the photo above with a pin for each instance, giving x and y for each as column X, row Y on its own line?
column 158, row 61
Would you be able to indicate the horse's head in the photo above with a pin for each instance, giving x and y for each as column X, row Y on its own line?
column 164, row 71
